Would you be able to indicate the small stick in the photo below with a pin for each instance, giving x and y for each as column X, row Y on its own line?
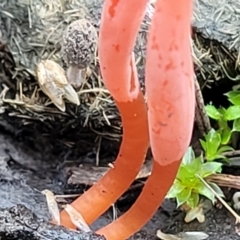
column 67, row 196
column 225, row 180
column 201, row 116
column 231, row 153
column 221, row 200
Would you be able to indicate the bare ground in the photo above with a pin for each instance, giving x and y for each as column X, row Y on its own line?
column 24, row 173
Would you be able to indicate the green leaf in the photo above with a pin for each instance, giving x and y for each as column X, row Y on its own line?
column 222, row 111
column 213, row 140
column 212, row 112
column 203, row 144
column 193, row 200
column 210, row 168
column 236, row 125
column 189, row 156
column 194, row 165
column 224, row 149
column 203, row 190
column 220, row 156
column 234, row 97
column 226, row 134
column 183, row 172
column 232, row 94
column 176, row 188
column 186, row 176
column 232, row 113
column 223, row 123
column 216, row 188
column 183, row 196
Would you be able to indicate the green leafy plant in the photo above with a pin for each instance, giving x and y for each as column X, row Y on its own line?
column 212, row 146
column 234, row 98
column 187, row 186
column 223, row 116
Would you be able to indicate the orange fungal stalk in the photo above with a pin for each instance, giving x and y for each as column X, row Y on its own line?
column 118, row 67
column 170, row 100
column 169, row 80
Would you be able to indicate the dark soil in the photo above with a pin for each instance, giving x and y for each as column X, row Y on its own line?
column 24, row 173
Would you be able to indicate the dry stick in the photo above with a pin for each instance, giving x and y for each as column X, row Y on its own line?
column 225, row 180
column 201, row 116
column 221, row 200
column 231, row 153
column 67, row 196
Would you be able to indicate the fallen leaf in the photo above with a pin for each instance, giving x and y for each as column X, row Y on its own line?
column 77, row 218
column 52, row 205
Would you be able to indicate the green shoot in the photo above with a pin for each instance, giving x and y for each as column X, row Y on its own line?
column 187, row 187
column 212, row 146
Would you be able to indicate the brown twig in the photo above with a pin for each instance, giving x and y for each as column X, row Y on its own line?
column 237, row 217
column 225, row 180
column 232, row 153
column 201, row 116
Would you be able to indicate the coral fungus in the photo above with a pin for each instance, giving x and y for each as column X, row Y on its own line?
column 170, row 101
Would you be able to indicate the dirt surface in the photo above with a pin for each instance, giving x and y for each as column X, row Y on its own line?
column 21, row 223
column 24, row 173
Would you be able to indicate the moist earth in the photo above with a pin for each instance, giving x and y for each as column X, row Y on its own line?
column 24, row 173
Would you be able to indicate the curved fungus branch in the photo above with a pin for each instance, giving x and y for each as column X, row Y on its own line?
column 120, row 77
column 169, row 80
column 171, row 103
column 119, row 25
